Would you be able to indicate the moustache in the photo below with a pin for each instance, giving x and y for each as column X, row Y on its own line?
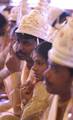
column 22, row 55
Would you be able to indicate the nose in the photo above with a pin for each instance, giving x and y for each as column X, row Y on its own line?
column 16, row 47
column 35, row 67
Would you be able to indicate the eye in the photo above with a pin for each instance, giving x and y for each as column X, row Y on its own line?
column 38, row 62
column 54, row 67
column 54, row 23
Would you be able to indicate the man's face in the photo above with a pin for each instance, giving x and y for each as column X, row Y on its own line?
column 23, row 49
column 57, row 78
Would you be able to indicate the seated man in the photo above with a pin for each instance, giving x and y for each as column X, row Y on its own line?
column 27, row 38
column 57, row 18
column 11, row 65
column 4, row 39
column 59, row 75
column 4, row 44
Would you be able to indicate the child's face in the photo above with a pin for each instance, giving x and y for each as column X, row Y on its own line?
column 40, row 65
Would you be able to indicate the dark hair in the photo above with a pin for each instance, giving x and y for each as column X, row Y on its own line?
column 43, row 48
column 8, row 8
column 62, row 18
column 21, row 37
column 3, row 23
column 71, row 71
column 12, row 32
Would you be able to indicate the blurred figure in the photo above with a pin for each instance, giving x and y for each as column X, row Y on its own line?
column 56, row 18
column 4, row 43
column 3, row 32
column 59, row 75
column 12, row 19
column 6, row 11
column 10, row 76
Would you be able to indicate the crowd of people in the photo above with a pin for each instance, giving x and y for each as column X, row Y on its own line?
column 36, row 63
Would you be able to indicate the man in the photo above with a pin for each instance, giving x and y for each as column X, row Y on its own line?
column 56, row 18
column 59, row 75
column 12, row 63
column 4, row 43
column 38, row 69
column 31, row 28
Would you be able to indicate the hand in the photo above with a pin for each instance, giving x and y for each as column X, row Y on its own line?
column 13, row 63
column 26, row 92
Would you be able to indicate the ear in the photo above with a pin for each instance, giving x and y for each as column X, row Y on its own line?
column 35, row 44
column 72, row 79
column 72, row 87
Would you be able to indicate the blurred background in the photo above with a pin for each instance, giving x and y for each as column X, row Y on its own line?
column 64, row 4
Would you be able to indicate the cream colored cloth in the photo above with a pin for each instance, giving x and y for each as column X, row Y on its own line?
column 27, row 76
column 51, row 111
column 68, row 114
column 12, row 87
column 37, row 104
column 8, row 116
column 25, row 73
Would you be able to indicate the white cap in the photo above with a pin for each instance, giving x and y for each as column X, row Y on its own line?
column 52, row 31
column 23, row 10
column 36, row 23
column 51, row 34
column 53, row 14
column 62, row 50
column 43, row 5
column 13, row 14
